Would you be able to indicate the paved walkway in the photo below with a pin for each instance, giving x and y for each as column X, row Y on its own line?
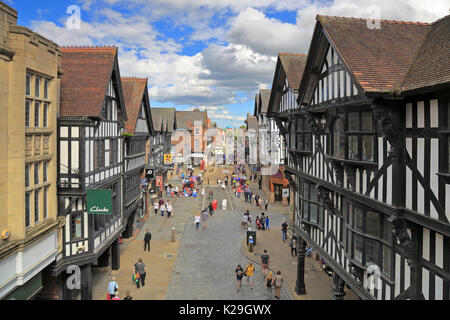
column 200, row 265
column 207, row 261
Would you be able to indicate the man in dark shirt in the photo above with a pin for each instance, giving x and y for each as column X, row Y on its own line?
column 147, row 239
column 239, row 276
column 284, row 228
column 265, row 262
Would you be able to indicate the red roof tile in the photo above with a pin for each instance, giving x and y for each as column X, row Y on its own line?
column 133, row 94
column 87, row 71
column 379, row 58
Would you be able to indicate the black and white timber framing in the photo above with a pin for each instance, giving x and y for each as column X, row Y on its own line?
column 371, row 175
column 135, row 197
column 91, row 157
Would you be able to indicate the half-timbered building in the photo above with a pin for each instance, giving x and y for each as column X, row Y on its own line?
column 369, row 152
column 90, row 134
column 164, row 122
column 138, row 130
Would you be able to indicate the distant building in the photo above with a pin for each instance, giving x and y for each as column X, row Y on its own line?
column 165, row 124
column 196, row 123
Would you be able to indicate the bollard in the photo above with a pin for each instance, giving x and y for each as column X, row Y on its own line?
column 250, row 247
column 174, row 232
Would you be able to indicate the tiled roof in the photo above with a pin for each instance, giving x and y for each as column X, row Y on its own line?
column 133, row 93
column 163, row 117
column 87, row 71
column 379, row 58
column 265, row 97
column 186, row 119
column 432, row 64
column 293, row 65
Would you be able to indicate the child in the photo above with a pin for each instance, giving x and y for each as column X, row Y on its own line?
column 128, row 297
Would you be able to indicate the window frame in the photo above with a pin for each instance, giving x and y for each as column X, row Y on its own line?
column 28, row 113
column 45, row 202
column 46, row 87
column 304, row 135
column 354, row 140
column 45, row 172
column 36, row 206
column 28, row 80
column 27, row 210
column 384, row 239
column 45, row 117
column 37, row 113
column 37, row 86
column 36, row 174
column 27, row 176
column 311, row 199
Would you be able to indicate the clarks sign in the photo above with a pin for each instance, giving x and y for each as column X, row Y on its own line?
column 99, row 202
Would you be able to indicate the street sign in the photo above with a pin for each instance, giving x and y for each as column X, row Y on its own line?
column 144, row 183
column 168, row 159
column 150, row 173
column 99, row 202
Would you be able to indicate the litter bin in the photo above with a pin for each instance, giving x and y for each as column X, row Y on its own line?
column 251, row 233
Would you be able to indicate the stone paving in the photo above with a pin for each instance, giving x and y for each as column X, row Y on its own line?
column 207, row 259
column 200, row 265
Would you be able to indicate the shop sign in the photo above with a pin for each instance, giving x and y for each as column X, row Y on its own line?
column 99, row 202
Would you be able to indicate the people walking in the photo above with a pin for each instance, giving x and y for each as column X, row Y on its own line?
column 278, row 283
column 269, row 286
column 250, row 272
column 293, row 245
column 163, row 209
column 198, row 219
column 244, row 222
column 239, row 276
column 266, row 204
column 204, row 219
column 113, row 287
column 284, row 228
column 267, row 223
column 147, row 239
column 139, row 268
column 169, row 209
column 156, row 207
column 265, row 262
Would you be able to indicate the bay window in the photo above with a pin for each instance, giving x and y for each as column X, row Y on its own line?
column 311, row 204
column 368, row 237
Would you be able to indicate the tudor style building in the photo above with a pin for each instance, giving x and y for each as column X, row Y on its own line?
column 369, row 152
column 90, row 133
column 165, row 123
column 138, row 130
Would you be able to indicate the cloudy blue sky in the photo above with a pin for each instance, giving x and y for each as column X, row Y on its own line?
column 212, row 54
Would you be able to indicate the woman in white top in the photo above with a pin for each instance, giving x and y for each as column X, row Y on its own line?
column 198, row 219
column 156, row 207
column 163, row 210
column 169, row 209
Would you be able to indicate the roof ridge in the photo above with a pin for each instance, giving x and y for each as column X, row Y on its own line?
column 84, row 48
column 291, row 54
column 133, row 78
column 381, row 20
column 441, row 19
